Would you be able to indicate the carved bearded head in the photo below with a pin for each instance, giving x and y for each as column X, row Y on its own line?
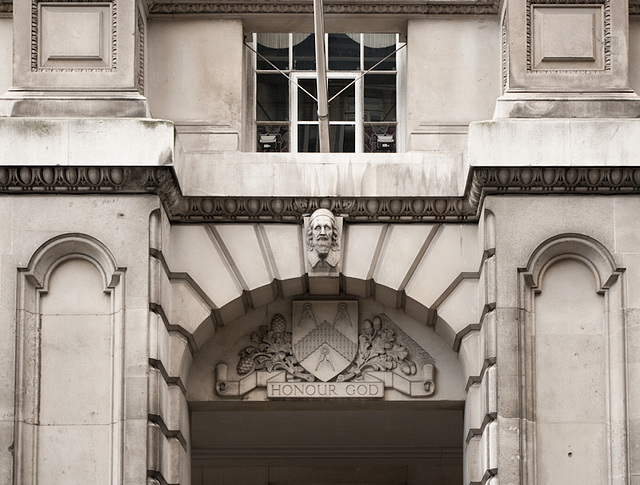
column 322, row 234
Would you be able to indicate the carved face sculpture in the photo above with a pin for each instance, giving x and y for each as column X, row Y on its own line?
column 322, row 228
column 322, row 238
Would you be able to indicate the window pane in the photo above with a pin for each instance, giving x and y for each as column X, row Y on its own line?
column 344, row 52
column 272, row 97
column 376, row 48
column 342, row 138
column 377, row 137
column 304, row 52
column 343, row 108
column 380, row 97
column 275, row 47
column 307, row 106
column 308, row 138
column 272, row 138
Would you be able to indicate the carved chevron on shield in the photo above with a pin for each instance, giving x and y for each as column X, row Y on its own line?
column 325, row 336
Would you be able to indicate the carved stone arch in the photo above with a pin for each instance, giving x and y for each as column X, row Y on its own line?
column 259, row 264
column 575, row 246
column 552, row 257
column 62, row 248
column 34, row 283
column 257, row 267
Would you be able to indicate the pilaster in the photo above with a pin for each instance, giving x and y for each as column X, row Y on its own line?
column 566, row 59
column 78, row 58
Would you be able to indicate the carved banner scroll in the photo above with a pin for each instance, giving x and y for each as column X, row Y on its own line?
column 328, row 354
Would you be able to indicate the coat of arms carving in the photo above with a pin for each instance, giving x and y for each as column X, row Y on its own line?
column 325, row 337
column 328, row 354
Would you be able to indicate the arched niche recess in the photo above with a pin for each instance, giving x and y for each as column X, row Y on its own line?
column 572, row 364
column 69, row 364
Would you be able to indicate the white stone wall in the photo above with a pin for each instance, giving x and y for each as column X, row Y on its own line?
column 453, row 78
column 196, row 79
column 6, row 49
column 573, row 376
column 92, row 383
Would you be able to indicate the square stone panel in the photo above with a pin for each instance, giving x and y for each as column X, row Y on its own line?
column 74, row 36
column 568, row 38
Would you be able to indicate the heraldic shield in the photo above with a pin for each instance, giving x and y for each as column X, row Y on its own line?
column 325, row 336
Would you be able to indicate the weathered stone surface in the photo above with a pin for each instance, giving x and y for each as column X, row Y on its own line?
column 41, row 141
column 563, row 143
column 385, row 175
column 444, row 238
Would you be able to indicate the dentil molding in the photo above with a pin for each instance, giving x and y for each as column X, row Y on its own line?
column 162, row 181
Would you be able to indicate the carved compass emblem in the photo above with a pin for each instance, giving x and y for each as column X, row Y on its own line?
column 325, row 336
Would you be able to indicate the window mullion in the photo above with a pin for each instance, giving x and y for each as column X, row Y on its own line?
column 293, row 115
column 359, row 115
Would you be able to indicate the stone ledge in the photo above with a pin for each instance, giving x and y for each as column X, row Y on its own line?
column 554, row 143
column 568, row 105
column 86, row 141
column 322, row 175
column 23, row 103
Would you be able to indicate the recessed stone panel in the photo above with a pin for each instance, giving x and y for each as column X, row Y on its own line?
column 567, row 38
column 75, row 36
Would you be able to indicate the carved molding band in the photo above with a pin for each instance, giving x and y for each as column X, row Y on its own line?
column 36, row 36
column 6, row 8
column 406, row 7
column 606, row 5
column 140, row 22
column 162, row 181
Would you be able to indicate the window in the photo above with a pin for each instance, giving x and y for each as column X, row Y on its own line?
column 363, row 112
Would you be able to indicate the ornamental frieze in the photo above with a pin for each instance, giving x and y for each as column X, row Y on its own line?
column 323, row 351
column 234, row 8
column 350, row 7
column 162, row 181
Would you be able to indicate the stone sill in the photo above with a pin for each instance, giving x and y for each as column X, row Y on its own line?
column 323, row 175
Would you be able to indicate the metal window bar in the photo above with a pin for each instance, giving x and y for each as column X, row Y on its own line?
column 281, row 72
column 339, row 92
column 365, row 73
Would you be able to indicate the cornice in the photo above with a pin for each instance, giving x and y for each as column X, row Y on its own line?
column 394, row 7
column 162, row 182
column 231, row 7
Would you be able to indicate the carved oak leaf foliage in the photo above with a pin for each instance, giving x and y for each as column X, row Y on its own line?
column 380, row 352
column 271, row 351
column 397, row 353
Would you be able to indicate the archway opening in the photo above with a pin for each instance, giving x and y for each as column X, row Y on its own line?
column 286, row 443
column 249, row 425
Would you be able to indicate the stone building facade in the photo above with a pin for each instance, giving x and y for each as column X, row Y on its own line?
column 190, row 295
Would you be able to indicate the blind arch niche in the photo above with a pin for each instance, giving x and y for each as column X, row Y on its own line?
column 69, row 336
column 572, row 365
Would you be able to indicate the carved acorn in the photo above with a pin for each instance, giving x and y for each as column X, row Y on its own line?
column 409, row 368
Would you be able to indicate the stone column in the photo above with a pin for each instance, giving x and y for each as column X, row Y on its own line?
column 566, row 59
column 77, row 59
